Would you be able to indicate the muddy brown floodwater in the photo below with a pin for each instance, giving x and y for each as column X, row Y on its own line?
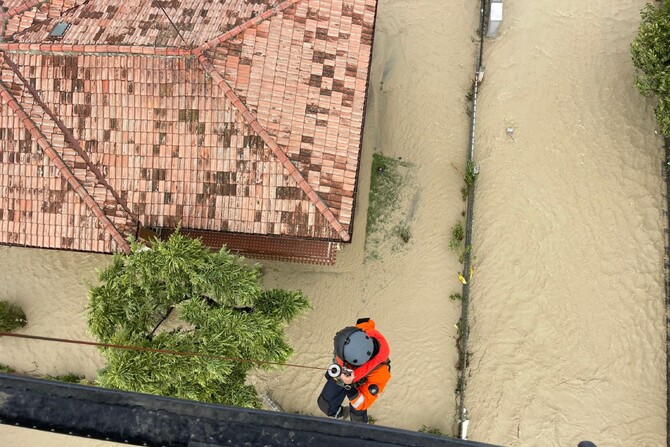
column 567, row 300
column 423, row 64
column 568, row 335
column 50, row 286
column 423, row 61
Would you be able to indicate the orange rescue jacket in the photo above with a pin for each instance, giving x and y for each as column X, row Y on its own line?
column 373, row 386
column 371, row 377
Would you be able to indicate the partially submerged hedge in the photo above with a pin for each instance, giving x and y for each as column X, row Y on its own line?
column 11, row 317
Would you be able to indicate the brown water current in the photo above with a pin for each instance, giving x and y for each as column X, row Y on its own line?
column 422, row 67
column 567, row 329
column 423, row 64
column 567, row 306
column 50, row 286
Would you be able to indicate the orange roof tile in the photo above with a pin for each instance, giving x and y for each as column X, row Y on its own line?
column 19, row 15
column 142, row 22
column 247, row 120
column 23, row 190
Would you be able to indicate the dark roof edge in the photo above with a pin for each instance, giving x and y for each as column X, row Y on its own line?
column 152, row 420
column 269, row 247
column 39, row 247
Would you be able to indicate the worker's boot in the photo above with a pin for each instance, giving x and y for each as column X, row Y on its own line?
column 358, row 416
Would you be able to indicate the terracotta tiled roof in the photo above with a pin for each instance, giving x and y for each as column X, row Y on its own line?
column 247, row 120
column 38, row 154
column 18, row 15
column 142, row 22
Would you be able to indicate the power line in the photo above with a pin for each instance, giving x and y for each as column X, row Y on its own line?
column 156, row 350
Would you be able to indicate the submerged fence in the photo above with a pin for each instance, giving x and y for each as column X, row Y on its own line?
column 464, row 324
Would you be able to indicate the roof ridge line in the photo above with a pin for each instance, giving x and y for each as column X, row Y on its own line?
column 71, row 140
column 270, row 12
column 106, row 49
column 320, row 204
column 65, row 171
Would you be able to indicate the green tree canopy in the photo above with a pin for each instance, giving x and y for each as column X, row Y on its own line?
column 221, row 308
column 651, row 56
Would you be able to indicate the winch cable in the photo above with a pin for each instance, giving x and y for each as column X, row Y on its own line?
column 155, row 350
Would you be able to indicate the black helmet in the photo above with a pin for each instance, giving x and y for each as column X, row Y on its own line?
column 353, row 346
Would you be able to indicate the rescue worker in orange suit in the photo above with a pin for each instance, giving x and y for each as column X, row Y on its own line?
column 362, row 354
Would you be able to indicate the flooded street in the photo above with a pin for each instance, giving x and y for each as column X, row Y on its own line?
column 423, row 60
column 568, row 336
column 50, row 286
column 567, row 302
column 422, row 67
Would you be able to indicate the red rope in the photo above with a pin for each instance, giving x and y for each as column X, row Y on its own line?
column 159, row 351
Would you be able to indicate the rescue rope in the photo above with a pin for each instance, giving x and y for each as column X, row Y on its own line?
column 156, row 350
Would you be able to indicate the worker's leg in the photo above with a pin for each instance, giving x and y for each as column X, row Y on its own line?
column 358, row 416
column 331, row 398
